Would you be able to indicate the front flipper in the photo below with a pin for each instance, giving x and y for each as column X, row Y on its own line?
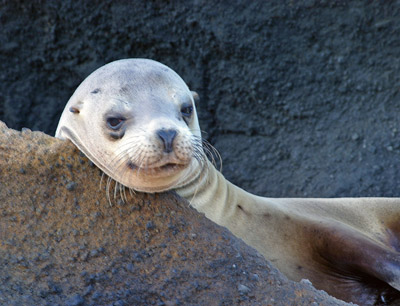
column 356, row 267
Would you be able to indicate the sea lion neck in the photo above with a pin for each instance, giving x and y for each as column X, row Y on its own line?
column 207, row 189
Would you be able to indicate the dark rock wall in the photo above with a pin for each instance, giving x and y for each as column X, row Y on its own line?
column 301, row 98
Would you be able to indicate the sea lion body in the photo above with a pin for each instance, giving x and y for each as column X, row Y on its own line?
column 348, row 247
column 136, row 120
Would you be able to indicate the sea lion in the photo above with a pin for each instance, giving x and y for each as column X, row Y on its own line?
column 136, row 120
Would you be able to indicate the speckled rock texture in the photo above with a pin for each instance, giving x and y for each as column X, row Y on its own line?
column 61, row 243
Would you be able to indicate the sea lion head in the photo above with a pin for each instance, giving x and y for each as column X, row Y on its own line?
column 136, row 120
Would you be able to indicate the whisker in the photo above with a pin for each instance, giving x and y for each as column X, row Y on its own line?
column 101, row 180
column 115, row 189
column 118, row 186
column 118, row 163
column 125, row 199
column 108, row 190
column 213, row 152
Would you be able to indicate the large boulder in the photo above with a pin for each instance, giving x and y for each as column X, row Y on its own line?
column 62, row 241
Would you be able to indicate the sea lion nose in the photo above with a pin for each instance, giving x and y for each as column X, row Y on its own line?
column 167, row 137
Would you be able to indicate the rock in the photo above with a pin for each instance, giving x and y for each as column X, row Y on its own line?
column 243, row 289
column 42, row 228
column 75, row 300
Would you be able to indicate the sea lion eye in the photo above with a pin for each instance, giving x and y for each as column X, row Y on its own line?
column 115, row 123
column 186, row 110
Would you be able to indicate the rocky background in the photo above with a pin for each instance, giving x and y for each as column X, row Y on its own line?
column 301, row 98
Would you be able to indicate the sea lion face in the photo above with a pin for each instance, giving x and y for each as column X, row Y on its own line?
column 136, row 120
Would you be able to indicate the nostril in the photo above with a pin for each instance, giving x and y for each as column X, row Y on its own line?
column 167, row 137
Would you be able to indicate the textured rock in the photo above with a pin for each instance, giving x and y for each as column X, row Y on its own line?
column 62, row 243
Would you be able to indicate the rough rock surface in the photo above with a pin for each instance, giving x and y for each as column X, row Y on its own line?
column 61, row 243
column 300, row 97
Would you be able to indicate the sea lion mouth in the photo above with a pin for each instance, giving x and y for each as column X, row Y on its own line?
column 169, row 166
column 159, row 169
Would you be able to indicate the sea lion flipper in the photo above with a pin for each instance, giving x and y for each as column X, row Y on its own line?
column 351, row 255
column 196, row 96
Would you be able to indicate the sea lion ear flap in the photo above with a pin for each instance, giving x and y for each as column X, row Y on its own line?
column 196, row 97
column 76, row 108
